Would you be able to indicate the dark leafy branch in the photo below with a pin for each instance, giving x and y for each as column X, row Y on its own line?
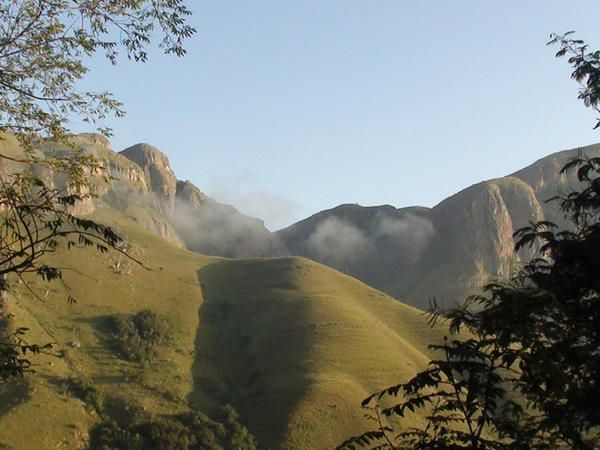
column 586, row 67
column 43, row 46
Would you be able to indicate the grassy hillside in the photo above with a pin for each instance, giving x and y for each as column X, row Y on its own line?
column 103, row 286
column 292, row 344
column 296, row 346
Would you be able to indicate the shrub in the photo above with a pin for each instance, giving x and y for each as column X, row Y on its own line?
column 137, row 335
column 110, row 436
column 192, row 431
column 85, row 390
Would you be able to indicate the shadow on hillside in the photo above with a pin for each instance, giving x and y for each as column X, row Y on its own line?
column 104, row 334
column 238, row 350
column 99, row 323
column 12, row 394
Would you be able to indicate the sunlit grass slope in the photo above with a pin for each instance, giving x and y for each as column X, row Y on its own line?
column 292, row 344
column 296, row 346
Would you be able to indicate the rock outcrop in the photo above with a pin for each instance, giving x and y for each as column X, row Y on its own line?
column 140, row 183
column 189, row 194
column 199, row 222
column 145, row 189
column 119, row 183
column 413, row 253
column 159, row 174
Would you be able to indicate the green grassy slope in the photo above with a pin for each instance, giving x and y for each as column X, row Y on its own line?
column 105, row 285
column 296, row 346
column 292, row 344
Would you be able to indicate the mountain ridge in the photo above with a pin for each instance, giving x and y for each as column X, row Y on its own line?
column 144, row 187
column 413, row 253
column 444, row 252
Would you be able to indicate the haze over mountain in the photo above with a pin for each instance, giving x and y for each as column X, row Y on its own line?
column 412, row 253
column 144, row 188
column 445, row 252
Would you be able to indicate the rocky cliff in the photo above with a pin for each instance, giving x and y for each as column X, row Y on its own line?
column 213, row 228
column 444, row 252
column 140, row 183
column 413, row 253
column 158, row 173
column 202, row 224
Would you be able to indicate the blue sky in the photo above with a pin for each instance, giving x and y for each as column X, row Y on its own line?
column 285, row 108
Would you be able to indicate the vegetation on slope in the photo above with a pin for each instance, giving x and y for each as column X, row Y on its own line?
column 135, row 336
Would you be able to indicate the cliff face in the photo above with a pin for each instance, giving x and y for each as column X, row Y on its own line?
column 143, row 187
column 120, row 184
column 412, row 253
column 158, row 172
column 189, row 194
column 444, row 252
column 200, row 223
column 546, row 181
column 140, row 183
column 473, row 241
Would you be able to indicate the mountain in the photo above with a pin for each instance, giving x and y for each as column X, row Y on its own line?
column 292, row 344
column 213, row 228
column 144, row 188
column 445, row 252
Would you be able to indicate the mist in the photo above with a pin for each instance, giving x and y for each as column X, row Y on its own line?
column 339, row 243
column 215, row 229
column 274, row 209
column 409, row 235
column 384, row 238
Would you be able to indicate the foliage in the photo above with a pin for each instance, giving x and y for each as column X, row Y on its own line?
column 15, row 351
column 192, row 431
column 236, row 435
column 136, row 336
column 533, row 338
column 85, row 390
column 37, row 217
column 586, row 67
column 536, row 335
column 463, row 396
column 43, row 47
